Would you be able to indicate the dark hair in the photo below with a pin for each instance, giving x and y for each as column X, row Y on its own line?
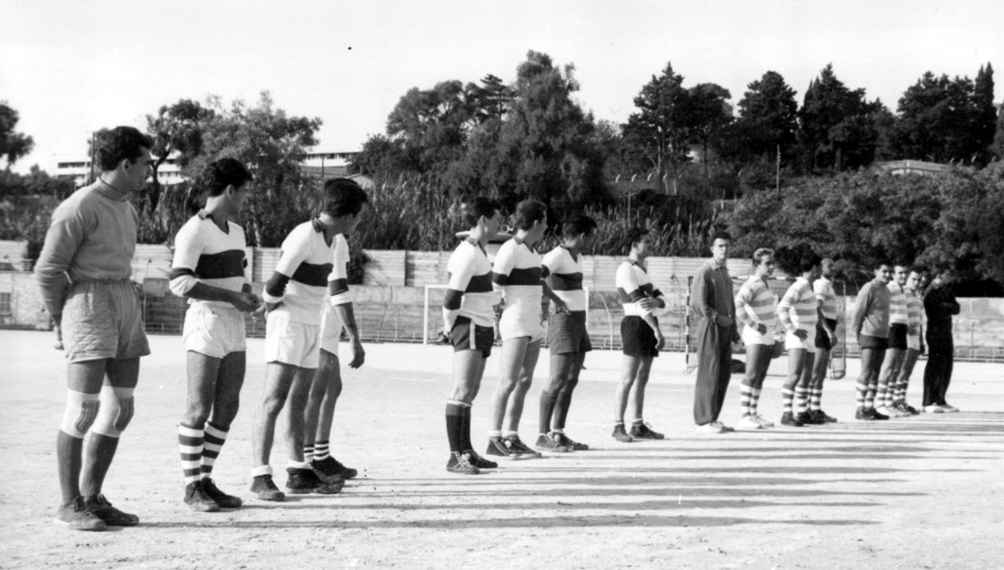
column 760, row 253
column 112, row 146
column 880, row 262
column 222, row 173
column 635, row 235
column 342, row 196
column 807, row 262
column 473, row 209
column 720, row 234
column 918, row 269
column 577, row 224
column 528, row 212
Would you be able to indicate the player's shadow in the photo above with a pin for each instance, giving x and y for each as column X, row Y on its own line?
column 635, row 491
column 795, row 456
column 677, row 502
column 794, row 469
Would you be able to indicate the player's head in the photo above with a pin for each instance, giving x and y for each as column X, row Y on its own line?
column 342, row 201
column 720, row 242
column 763, row 262
column 826, row 267
column 808, row 263
column 915, row 279
column 883, row 270
column 943, row 276
column 577, row 230
column 481, row 214
column 637, row 242
column 225, row 177
column 123, row 155
column 531, row 217
column 900, row 272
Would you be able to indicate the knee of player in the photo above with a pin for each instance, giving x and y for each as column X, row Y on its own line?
column 80, row 413
column 272, row 404
column 117, row 413
column 197, row 413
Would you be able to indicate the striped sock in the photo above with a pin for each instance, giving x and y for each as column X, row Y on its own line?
column 870, row 394
column 190, row 443
column 815, row 399
column 308, row 452
column 754, row 401
column 320, row 450
column 746, row 399
column 802, row 393
column 214, row 438
column 787, row 395
column 862, row 392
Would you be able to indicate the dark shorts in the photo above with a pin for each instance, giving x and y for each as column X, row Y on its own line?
column 466, row 335
column 637, row 337
column 873, row 342
column 566, row 333
column 823, row 339
column 897, row 336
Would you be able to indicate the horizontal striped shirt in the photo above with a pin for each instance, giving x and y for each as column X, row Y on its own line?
column 797, row 309
column 310, row 261
column 823, row 288
column 914, row 311
column 897, row 305
column 633, row 285
column 470, row 290
column 517, row 273
column 210, row 255
column 564, row 276
column 871, row 310
column 757, row 304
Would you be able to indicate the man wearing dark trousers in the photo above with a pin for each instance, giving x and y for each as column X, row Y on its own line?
column 712, row 303
column 939, row 305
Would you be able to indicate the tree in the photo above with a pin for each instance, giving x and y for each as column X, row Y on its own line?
column 767, row 123
column 177, row 132
column 997, row 149
column 985, row 113
column 13, row 145
column 659, row 129
column 708, row 115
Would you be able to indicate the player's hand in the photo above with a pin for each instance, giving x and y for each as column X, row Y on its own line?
column 801, row 334
column 647, row 303
column 560, row 306
column 761, row 328
column 660, row 341
column 833, row 337
column 358, row 354
column 244, row 302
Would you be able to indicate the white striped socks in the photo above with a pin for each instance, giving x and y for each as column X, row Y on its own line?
column 190, row 445
column 815, row 399
column 214, row 439
column 755, row 400
column 787, row 395
column 746, row 399
column 320, row 450
column 802, row 393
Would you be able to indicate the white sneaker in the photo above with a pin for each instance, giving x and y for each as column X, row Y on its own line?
column 764, row 422
column 748, row 422
column 887, row 411
column 949, row 409
column 710, row 428
column 933, row 409
column 724, row 428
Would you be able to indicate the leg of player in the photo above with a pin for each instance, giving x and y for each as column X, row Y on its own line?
column 748, row 387
column 301, row 477
column 82, row 405
column 565, row 402
column 909, row 363
column 560, row 370
column 796, row 362
column 326, row 389
column 468, row 368
column 513, row 354
column 629, row 371
column 203, row 375
column 116, row 412
column 226, row 402
column 514, row 411
column 640, row 429
column 765, row 355
column 886, row 381
column 803, row 389
column 819, row 367
column 278, row 379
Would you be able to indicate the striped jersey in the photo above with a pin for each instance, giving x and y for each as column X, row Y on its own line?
column 517, row 273
column 633, row 284
column 823, row 288
column 757, row 304
column 311, row 262
column 210, row 255
column 470, row 285
column 914, row 310
column 564, row 276
column 897, row 304
column 798, row 306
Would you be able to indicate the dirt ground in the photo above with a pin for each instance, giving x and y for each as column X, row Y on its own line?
column 924, row 492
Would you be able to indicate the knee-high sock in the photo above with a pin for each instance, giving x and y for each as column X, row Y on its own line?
column 787, row 395
column 746, row 399
column 548, row 400
column 190, row 445
column 454, row 425
column 465, row 428
column 214, row 438
column 802, row 393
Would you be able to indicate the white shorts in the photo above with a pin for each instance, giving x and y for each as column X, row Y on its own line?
column 213, row 330
column 752, row 336
column 331, row 329
column 290, row 342
column 516, row 325
column 792, row 342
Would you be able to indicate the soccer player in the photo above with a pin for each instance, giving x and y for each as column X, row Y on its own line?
column 294, row 298
column 826, row 339
column 209, row 270
column 469, row 324
column 517, row 273
column 914, row 338
column 83, row 272
column 939, row 304
column 567, row 337
column 641, row 338
column 870, row 323
column 898, row 331
column 338, row 315
column 798, row 312
column 712, row 302
column 756, row 309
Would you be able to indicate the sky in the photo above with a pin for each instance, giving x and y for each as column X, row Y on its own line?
column 70, row 68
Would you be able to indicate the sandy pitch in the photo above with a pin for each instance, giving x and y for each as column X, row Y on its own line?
column 925, row 492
